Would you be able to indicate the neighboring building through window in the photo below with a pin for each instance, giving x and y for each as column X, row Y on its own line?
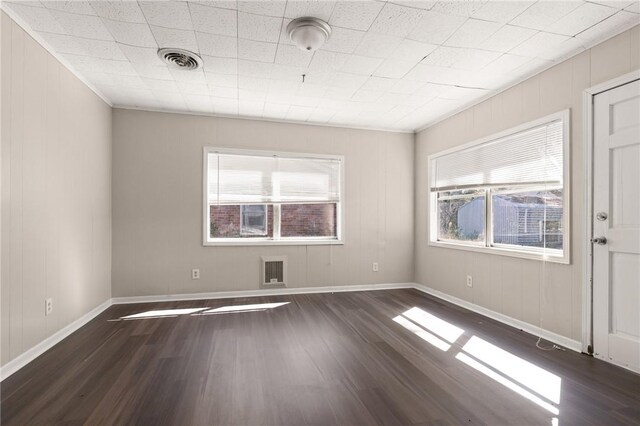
column 272, row 198
column 507, row 193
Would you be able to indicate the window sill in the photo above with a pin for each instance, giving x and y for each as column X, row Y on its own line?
column 287, row 242
column 503, row 251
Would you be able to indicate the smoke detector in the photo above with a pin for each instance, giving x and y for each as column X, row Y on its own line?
column 308, row 33
column 180, row 59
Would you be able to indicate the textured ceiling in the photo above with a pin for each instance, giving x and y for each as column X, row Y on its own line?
column 396, row 65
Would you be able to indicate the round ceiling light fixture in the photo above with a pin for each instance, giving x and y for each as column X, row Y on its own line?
column 308, row 33
column 180, row 59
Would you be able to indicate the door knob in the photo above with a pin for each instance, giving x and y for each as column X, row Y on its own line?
column 599, row 240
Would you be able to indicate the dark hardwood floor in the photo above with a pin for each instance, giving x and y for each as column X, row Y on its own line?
column 320, row 359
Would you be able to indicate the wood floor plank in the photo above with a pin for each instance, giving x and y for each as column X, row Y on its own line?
column 319, row 359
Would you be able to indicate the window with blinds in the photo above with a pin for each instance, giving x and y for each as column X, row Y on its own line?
column 256, row 196
column 506, row 193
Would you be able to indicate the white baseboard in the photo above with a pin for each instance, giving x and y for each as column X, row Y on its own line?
column 257, row 293
column 26, row 357
column 550, row 336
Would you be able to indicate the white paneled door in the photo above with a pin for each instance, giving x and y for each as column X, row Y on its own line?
column 616, row 227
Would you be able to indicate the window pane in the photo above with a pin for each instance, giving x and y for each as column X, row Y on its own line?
column 461, row 219
column 529, row 219
column 241, row 221
column 308, row 220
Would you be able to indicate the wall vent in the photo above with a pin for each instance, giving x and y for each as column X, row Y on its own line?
column 273, row 271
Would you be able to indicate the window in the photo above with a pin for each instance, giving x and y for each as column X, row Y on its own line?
column 507, row 193
column 257, row 197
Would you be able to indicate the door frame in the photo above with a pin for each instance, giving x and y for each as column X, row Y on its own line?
column 587, row 249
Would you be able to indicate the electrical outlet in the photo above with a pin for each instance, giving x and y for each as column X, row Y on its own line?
column 48, row 306
column 375, row 267
column 195, row 274
column 469, row 281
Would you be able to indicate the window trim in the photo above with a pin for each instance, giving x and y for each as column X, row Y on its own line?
column 266, row 241
column 505, row 250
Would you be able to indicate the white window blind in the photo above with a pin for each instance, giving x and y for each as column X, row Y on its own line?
column 261, row 179
column 530, row 157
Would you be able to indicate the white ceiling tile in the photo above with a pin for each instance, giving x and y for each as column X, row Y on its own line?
column 411, row 50
column 463, row 93
column 436, row 27
column 199, row 104
column 214, row 20
column 182, row 39
column 85, row 63
column 321, row 115
column 461, row 58
column 221, row 80
column 82, row 25
column 167, row 14
column 161, row 85
column 155, row 72
column 128, row 81
column 318, row 77
column 103, row 49
column 250, row 107
column 357, row 15
column 472, row 33
column 299, row 113
column 506, row 64
column 327, row 61
column 220, row 65
column 269, row 8
column 252, row 83
column 420, row 4
column 361, row 65
column 406, row 87
column 306, row 101
column 65, row 44
column 259, row 28
column 378, row 84
column 539, row 45
column 320, row 9
column 287, row 73
column 396, row 20
column 254, row 68
column 622, row 19
column 501, row 11
column 224, row 92
column 217, row 45
column 581, row 18
column 275, row 111
column 343, row 40
column 77, row 6
column 633, row 7
column 256, row 50
column 193, row 87
column 131, row 33
column 225, row 106
column 194, row 76
column 142, row 55
column 292, row 56
column 464, row 8
column 430, row 90
column 311, row 90
column 543, row 14
column 124, row 11
column 348, row 81
column 617, row 4
column 533, row 66
column 507, row 37
column 39, row 18
column 366, row 95
column 378, row 45
column 394, row 68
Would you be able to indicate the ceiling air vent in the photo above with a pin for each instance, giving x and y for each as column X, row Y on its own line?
column 180, row 59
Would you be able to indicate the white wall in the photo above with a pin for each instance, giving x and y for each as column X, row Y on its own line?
column 547, row 295
column 56, row 194
column 157, row 205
